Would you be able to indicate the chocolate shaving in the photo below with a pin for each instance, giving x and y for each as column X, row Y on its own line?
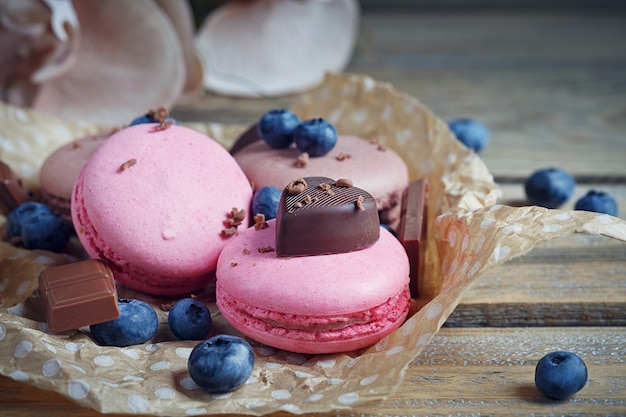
column 265, row 249
column 127, row 165
column 233, row 219
column 297, row 186
column 161, row 115
column 343, row 182
column 259, row 222
column 302, row 161
column 343, row 156
column 359, row 202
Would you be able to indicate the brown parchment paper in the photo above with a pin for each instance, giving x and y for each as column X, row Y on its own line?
column 467, row 234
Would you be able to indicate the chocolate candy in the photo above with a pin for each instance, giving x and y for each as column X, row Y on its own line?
column 12, row 192
column 78, row 294
column 317, row 216
column 412, row 231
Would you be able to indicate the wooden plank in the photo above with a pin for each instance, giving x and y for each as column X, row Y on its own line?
column 461, row 372
column 550, row 86
column 574, row 280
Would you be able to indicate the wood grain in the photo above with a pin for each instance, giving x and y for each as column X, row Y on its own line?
column 550, row 86
column 461, row 372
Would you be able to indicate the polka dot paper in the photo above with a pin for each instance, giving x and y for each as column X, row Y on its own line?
column 467, row 234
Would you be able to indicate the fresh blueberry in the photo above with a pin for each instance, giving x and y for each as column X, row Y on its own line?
column 149, row 118
column 265, row 201
column 471, row 133
column 276, row 127
column 46, row 231
column 559, row 375
column 549, row 187
column 190, row 319
column 315, row 136
column 137, row 323
column 597, row 201
column 18, row 217
column 221, row 364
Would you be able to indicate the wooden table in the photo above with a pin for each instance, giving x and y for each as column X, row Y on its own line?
column 552, row 89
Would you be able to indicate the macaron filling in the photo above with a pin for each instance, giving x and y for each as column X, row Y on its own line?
column 315, row 328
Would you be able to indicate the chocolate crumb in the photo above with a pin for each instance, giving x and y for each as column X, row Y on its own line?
column 127, row 165
column 343, row 182
column 265, row 249
column 246, row 251
column 234, row 263
column 302, row 161
column 382, row 148
column 308, row 199
column 359, row 202
column 330, row 192
column 76, row 145
column 259, row 222
column 297, row 204
column 324, row 186
column 230, row 231
column 297, row 186
column 343, row 156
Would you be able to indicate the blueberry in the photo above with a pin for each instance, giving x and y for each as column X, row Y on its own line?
column 315, row 136
column 19, row 216
column 265, row 201
column 276, row 127
column 549, row 187
column 559, row 375
column 137, row 323
column 597, row 201
column 46, row 231
column 190, row 319
column 221, row 364
column 471, row 133
column 149, row 118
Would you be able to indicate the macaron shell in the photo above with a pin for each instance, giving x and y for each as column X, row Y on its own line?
column 157, row 200
column 376, row 169
column 61, row 169
column 311, row 285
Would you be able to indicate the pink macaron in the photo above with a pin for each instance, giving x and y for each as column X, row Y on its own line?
column 377, row 169
column 312, row 304
column 157, row 204
column 61, row 168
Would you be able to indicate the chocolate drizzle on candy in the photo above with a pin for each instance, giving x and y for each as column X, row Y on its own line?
column 318, row 216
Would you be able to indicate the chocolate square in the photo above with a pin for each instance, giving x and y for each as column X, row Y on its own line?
column 78, row 294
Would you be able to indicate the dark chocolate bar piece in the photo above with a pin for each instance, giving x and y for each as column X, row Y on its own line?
column 318, row 215
column 78, row 294
column 12, row 191
column 412, row 231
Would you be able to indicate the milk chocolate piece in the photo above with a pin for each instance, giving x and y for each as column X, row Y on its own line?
column 78, row 294
column 12, row 192
column 323, row 217
column 412, row 231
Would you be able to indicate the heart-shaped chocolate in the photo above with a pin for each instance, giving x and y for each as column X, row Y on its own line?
column 318, row 216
